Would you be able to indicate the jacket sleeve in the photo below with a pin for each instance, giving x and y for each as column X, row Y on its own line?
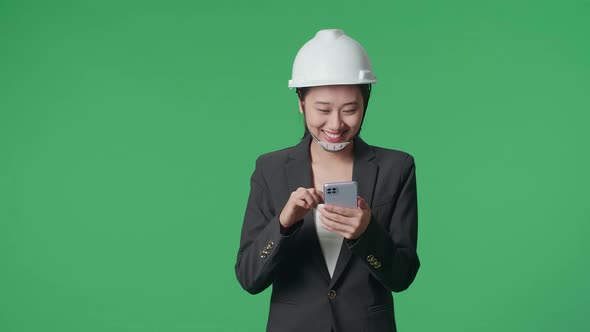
column 263, row 241
column 390, row 255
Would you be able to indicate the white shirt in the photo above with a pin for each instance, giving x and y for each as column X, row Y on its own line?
column 329, row 242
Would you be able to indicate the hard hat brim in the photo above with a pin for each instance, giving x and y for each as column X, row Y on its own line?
column 307, row 84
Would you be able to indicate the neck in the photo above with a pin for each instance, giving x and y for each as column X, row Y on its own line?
column 319, row 155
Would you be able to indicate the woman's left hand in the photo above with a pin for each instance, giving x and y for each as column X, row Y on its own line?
column 350, row 223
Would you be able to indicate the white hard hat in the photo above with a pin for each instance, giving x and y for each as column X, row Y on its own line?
column 331, row 58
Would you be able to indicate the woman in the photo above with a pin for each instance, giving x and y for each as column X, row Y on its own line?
column 335, row 269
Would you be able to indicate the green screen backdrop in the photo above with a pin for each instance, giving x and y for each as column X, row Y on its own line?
column 129, row 131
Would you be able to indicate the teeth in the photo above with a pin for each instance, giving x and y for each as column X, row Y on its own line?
column 332, row 135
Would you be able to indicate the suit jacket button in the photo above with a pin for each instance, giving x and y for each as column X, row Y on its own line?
column 332, row 294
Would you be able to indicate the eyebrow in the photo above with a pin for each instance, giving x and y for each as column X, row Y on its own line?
column 327, row 103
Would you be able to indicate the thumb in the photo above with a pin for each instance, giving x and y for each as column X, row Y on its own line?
column 362, row 204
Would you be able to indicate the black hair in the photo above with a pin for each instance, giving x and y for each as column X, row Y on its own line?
column 365, row 93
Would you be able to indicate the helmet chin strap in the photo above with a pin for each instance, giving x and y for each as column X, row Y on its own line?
column 330, row 147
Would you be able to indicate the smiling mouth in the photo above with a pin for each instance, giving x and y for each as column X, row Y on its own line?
column 333, row 137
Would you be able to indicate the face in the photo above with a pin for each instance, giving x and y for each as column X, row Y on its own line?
column 333, row 113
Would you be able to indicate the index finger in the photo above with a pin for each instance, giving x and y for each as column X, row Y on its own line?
column 316, row 195
column 321, row 194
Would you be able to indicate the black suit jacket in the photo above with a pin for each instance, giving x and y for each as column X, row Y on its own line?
column 384, row 259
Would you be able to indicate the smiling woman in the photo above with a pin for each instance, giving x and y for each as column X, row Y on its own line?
column 339, row 275
column 336, row 113
column 365, row 90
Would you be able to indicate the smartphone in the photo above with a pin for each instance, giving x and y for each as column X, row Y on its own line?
column 341, row 194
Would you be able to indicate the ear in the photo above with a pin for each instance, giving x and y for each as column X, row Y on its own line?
column 301, row 106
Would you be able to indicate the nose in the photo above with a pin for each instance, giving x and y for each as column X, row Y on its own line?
column 334, row 121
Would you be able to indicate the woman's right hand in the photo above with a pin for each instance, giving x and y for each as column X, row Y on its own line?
column 299, row 203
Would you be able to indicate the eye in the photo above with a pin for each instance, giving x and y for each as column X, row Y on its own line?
column 352, row 111
column 323, row 111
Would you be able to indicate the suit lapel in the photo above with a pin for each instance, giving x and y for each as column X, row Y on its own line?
column 364, row 172
column 298, row 169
